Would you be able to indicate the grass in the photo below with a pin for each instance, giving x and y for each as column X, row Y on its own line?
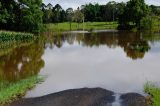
column 11, row 40
column 15, row 36
column 156, row 23
column 154, row 92
column 12, row 91
column 86, row 26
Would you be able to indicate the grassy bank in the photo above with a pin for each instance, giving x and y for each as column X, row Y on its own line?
column 154, row 92
column 11, row 91
column 86, row 26
column 15, row 36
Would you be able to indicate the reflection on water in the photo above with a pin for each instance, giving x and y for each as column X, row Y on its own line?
column 21, row 62
column 134, row 44
column 117, row 61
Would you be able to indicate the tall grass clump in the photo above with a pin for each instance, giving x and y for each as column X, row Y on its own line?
column 154, row 92
column 12, row 91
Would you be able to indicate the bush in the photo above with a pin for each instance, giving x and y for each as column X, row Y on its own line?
column 146, row 23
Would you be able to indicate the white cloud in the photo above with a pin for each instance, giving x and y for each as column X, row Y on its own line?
column 75, row 3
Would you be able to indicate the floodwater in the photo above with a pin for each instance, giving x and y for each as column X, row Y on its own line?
column 118, row 61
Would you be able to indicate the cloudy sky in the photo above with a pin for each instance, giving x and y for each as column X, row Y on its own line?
column 75, row 3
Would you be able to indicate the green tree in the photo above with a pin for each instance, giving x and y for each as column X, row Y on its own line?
column 134, row 11
column 78, row 16
column 69, row 13
column 31, row 15
column 7, row 13
column 57, row 11
column 23, row 15
column 47, row 13
column 155, row 10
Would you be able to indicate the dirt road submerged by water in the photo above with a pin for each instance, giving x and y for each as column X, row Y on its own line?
column 84, row 97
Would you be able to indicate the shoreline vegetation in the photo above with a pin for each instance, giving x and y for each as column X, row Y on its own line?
column 10, row 40
column 10, row 92
column 154, row 92
column 15, row 36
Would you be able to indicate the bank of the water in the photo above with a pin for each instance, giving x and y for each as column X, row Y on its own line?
column 154, row 92
column 66, row 26
column 11, row 91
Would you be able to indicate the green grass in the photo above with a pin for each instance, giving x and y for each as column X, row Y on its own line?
column 12, row 91
column 11, row 40
column 15, row 36
column 154, row 92
column 86, row 26
column 156, row 23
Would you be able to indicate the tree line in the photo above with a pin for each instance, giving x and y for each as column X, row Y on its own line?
column 29, row 15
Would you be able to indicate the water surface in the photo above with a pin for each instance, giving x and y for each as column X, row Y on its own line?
column 118, row 61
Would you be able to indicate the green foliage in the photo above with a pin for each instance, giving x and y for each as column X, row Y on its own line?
column 15, row 36
column 53, row 14
column 90, row 12
column 154, row 92
column 150, row 23
column 21, row 15
column 146, row 23
column 96, row 12
column 78, row 16
column 155, row 10
column 133, row 13
column 69, row 13
column 11, row 91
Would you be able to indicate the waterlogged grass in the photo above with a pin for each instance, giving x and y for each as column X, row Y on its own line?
column 154, row 92
column 12, row 91
column 86, row 26
column 15, row 36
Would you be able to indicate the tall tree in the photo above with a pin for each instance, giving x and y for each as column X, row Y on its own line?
column 69, row 13
column 7, row 13
column 134, row 11
column 31, row 15
column 57, row 11
column 78, row 16
column 23, row 15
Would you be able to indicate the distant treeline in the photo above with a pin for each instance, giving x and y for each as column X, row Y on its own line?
column 29, row 15
column 91, row 12
column 129, row 15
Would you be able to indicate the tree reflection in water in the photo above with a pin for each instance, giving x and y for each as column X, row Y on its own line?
column 22, row 62
column 25, row 59
column 135, row 45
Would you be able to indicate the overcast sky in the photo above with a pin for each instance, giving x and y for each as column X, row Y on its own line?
column 75, row 3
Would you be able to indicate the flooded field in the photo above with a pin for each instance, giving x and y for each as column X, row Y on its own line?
column 118, row 61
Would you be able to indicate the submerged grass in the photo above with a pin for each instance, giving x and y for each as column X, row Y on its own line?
column 11, row 91
column 154, row 92
column 86, row 26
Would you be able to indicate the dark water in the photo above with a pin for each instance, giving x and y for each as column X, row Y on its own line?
column 118, row 61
